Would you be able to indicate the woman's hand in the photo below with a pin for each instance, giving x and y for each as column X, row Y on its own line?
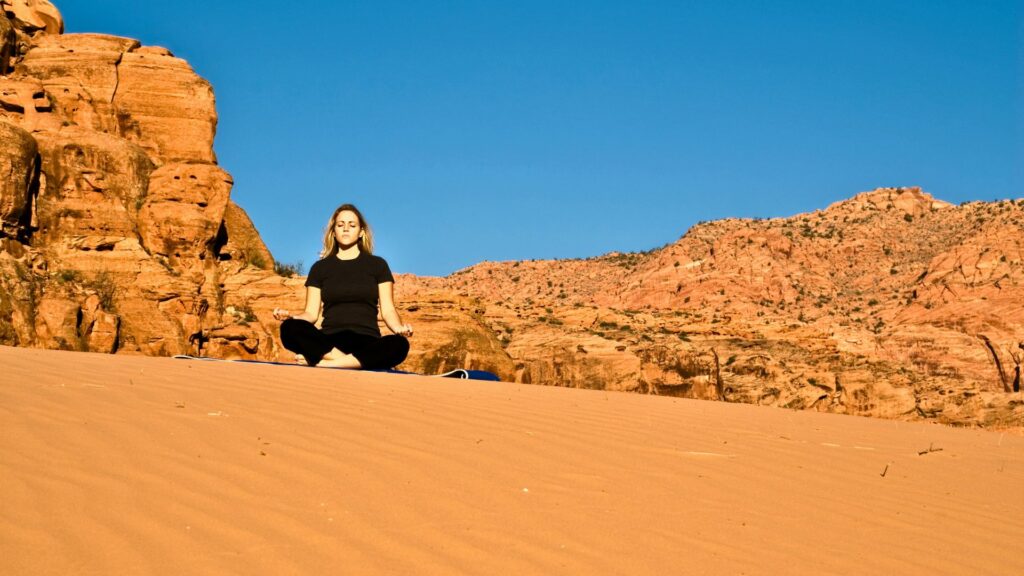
column 388, row 312
column 281, row 314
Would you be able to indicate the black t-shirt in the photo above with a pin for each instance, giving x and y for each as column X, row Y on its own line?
column 348, row 289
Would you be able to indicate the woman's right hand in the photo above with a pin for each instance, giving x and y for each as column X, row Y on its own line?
column 281, row 314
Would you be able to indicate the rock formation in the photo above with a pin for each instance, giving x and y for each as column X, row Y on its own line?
column 890, row 304
column 33, row 15
column 118, row 235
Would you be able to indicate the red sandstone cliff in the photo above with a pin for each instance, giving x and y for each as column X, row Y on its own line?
column 117, row 234
column 116, row 228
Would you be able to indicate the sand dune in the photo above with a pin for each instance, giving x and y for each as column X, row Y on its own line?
column 135, row 465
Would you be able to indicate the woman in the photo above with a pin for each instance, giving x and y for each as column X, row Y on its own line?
column 350, row 282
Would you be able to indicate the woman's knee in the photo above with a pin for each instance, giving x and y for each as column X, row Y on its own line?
column 291, row 325
column 400, row 347
column 294, row 329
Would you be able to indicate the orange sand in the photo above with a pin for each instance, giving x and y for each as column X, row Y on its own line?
column 134, row 465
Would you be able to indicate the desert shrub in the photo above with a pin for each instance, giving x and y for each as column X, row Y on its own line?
column 253, row 258
column 8, row 337
column 288, row 270
column 245, row 313
column 69, row 213
column 68, row 276
column 689, row 367
column 33, row 288
column 751, row 369
column 105, row 287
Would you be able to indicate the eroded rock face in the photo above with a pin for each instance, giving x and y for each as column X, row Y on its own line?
column 184, row 210
column 24, row 103
column 80, row 73
column 17, row 173
column 92, row 188
column 114, row 85
column 450, row 334
column 165, row 107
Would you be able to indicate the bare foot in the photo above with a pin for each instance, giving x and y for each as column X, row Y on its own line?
column 339, row 359
column 301, row 360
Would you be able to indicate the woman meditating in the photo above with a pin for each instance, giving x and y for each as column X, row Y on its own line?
column 351, row 283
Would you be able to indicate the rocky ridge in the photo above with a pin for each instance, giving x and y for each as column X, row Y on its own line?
column 889, row 304
column 118, row 234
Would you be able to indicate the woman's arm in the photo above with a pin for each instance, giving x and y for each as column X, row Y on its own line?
column 388, row 311
column 312, row 312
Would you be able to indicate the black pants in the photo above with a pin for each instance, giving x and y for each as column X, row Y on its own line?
column 373, row 353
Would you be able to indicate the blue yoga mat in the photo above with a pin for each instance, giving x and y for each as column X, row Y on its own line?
column 459, row 373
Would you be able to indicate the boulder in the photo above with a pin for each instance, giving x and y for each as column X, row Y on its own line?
column 19, row 299
column 34, row 16
column 234, row 341
column 58, row 319
column 183, row 211
column 103, row 333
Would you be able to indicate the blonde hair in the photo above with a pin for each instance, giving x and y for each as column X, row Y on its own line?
column 365, row 235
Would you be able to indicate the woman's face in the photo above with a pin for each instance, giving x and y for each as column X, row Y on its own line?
column 346, row 228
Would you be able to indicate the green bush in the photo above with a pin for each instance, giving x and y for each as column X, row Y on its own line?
column 288, row 270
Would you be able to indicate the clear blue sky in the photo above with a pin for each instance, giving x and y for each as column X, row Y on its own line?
column 477, row 130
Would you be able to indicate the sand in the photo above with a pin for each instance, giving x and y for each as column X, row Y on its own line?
column 134, row 465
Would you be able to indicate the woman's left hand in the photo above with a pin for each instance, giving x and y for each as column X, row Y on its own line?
column 404, row 330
